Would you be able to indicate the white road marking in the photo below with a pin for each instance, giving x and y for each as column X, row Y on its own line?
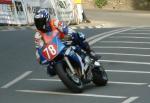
column 23, row 28
column 47, row 80
column 132, row 42
column 5, row 30
column 128, row 71
column 82, row 27
column 131, row 99
column 119, row 47
column 132, row 37
column 102, row 34
column 11, row 29
column 128, row 83
column 123, row 54
column 73, row 27
column 136, row 33
column 142, row 30
column 107, row 34
column 126, row 62
column 111, row 82
column 98, row 26
column 71, row 94
column 90, row 27
column 33, row 27
column 17, row 79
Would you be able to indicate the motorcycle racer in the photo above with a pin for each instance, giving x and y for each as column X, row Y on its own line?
column 45, row 24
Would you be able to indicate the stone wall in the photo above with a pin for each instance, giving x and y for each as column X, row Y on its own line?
column 120, row 4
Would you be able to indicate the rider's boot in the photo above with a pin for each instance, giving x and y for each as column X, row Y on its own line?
column 51, row 71
column 90, row 52
column 93, row 55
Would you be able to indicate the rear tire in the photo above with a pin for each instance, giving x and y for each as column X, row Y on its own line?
column 67, row 80
column 100, row 77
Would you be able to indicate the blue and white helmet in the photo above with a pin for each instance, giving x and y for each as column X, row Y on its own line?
column 41, row 18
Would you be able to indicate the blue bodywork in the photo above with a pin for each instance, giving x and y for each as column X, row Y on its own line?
column 72, row 56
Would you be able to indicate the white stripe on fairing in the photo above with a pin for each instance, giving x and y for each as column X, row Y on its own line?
column 119, row 47
column 123, row 54
column 17, row 79
column 71, row 94
column 125, row 42
column 126, row 62
column 132, row 37
column 111, row 82
column 131, row 99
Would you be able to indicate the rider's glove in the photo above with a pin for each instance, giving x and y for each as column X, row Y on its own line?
column 78, row 36
column 81, row 35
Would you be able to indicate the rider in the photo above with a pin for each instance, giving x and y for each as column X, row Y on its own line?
column 45, row 24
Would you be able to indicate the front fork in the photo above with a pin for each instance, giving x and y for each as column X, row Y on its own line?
column 69, row 64
column 83, row 67
column 73, row 72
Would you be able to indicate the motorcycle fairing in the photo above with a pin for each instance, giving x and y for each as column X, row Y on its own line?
column 53, row 45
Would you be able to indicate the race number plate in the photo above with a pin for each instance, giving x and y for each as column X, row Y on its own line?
column 50, row 51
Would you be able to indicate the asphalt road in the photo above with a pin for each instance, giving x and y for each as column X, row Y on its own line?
column 118, row 18
column 125, row 56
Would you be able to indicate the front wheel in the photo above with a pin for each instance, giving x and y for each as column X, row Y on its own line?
column 100, row 77
column 73, row 82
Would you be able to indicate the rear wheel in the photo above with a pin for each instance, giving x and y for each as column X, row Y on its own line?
column 73, row 82
column 100, row 77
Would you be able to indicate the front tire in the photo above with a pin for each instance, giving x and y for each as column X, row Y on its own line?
column 100, row 77
column 67, row 80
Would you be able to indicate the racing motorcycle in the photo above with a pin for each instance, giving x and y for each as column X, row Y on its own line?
column 74, row 69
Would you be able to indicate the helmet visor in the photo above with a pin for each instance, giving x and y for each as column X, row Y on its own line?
column 40, row 23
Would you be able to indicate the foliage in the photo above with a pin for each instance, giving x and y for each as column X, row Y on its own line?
column 100, row 3
column 141, row 5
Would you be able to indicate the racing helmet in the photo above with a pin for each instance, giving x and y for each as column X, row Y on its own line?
column 41, row 18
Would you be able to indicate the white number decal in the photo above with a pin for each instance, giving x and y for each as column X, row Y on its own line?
column 50, row 50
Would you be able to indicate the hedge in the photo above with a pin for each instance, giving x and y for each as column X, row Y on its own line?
column 100, row 3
